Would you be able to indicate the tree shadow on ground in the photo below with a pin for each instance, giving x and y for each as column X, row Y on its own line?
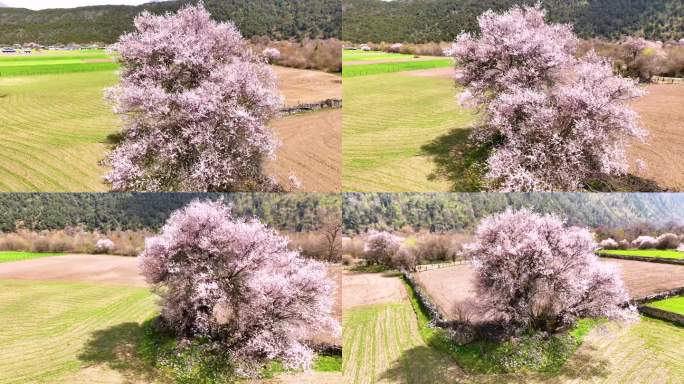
column 626, row 183
column 457, row 160
column 422, row 365
column 116, row 348
column 462, row 164
column 113, row 139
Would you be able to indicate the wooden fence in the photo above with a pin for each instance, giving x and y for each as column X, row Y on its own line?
column 667, row 80
column 428, row 267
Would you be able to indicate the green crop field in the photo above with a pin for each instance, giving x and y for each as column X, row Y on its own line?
column 52, row 331
column 358, row 55
column 384, row 343
column 394, row 125
column 56, row 130
column 18, row 256
column 57, row 62
column 390, row 67
column 673, row 304
column 663, row 254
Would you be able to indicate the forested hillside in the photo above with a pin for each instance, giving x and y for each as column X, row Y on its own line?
column 442, row 211
column 277, row 19
column 110, row 211
column 418, row 21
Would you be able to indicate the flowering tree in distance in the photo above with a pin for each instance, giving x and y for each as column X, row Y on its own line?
column 195, row 101
column 552, row 121
column 380, row 247
column 532, row 272
column 234, row 282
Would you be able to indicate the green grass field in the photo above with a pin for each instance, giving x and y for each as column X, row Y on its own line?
column 52, row 331
column 673, row 304
column 394, row 125
column 663, row 254
column 55, row 132
column 386, row 343
column 390, row 67
column 55, row 121
column 359, row 55
column 18, row 256
column 382, row 344
column 55, row 62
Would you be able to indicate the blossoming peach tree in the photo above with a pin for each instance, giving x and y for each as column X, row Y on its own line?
column 234, row 283
column 551, row 121
column 195, row 102
column 534, row 273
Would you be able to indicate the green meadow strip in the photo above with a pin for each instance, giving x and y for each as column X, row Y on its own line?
column 51, row 69
column 672, row 304
column 390, row 67
column 6, row 257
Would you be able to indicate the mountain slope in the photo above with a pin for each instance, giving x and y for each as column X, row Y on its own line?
column 442, row 20
column 449, row 211
column 278, row 19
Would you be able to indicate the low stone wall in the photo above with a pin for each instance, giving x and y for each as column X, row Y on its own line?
column 311, row 107
column 658, row 296
column 662, row 314
column 437, row 318
column 646, row 259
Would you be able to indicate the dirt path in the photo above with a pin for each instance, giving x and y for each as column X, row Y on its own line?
column 662, row 113
column 115, row 270
column 300, row 86
column 311, row 150
column 447, row 286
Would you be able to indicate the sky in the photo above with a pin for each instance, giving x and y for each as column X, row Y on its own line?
column 43, row 4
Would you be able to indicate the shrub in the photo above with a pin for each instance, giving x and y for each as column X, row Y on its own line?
column 533, row 273
column 104, row 246
column 271, row 54
column 667, row 241
column 437, row 248
column 195, row 102
column 624, row 244
column 609, row 244
column 644, row 242
column 380, row 248
column 234, row 284
column 319, row 54
column 395, row 48
column 347, row 260
column 551, row 121
column 404, row 259
column 353, row 247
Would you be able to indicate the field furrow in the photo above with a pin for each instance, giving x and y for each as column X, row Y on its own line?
column 72, row 326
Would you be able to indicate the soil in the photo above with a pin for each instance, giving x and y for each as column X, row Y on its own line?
column 115, row 270
column 311, row 149
column 301, row 86
column 448, row 286
column 371, row 288
column 446, row 73
column 662, row 113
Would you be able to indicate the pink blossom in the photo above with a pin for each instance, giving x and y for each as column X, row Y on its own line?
column 235, row 282
column 195, row 102
column 535, row 273
column 553, row 121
